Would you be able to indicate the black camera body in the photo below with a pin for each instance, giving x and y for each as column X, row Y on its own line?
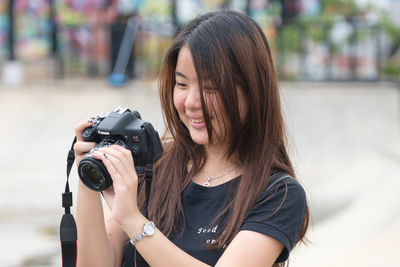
column 121, row 127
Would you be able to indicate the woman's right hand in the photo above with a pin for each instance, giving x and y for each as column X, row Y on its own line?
column 81, row 148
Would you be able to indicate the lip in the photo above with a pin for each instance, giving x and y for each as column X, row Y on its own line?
column 196, row 121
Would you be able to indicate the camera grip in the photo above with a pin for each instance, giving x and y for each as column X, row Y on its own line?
column 154, row 143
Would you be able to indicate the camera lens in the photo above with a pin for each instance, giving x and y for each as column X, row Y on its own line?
column 94, row 174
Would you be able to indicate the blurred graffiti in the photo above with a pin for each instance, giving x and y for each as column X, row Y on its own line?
column 3, row 28
column 32, row 29
column 310, row 39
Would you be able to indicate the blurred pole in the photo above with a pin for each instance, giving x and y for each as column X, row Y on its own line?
column 52, row 18
column 378, row 52
column 303, row 51
column 174, row 16
column 290, row 10
column 57, row 69
column 11, row 37
column 329, row 63
column 247, row 7
column 353, row 50
column 225, row 4
column 12, row 72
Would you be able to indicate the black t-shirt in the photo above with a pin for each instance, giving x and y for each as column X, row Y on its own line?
column 203, row 204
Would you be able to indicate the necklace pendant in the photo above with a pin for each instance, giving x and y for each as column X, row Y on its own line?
column 207, row 184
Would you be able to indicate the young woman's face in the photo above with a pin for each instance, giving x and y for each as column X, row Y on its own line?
column 188, row 103
column 187, row 99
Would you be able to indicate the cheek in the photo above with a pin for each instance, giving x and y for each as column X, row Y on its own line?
column 179, row 101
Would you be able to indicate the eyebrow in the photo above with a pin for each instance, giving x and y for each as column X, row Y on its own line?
column 177, row 73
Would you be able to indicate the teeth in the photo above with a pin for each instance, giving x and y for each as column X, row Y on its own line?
column 197, row 120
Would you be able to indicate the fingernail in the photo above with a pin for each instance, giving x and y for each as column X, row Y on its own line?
column 90, row 121
column 105, row 155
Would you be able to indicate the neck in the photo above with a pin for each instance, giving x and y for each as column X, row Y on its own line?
column 217, row 158
column 217, row 164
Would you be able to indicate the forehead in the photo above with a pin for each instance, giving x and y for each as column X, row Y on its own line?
column 185, row 55
column 186, row 69
column 184, row 65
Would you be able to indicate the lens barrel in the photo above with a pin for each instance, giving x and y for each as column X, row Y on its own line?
column 92, row 171
column 94, row 174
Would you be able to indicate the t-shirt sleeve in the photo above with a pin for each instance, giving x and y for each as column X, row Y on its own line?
column 279, row 214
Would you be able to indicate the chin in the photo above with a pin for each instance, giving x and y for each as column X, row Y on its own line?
column 199, row 138
column 200, row 141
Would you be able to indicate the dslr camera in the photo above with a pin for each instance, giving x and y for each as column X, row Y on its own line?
column 121, row 127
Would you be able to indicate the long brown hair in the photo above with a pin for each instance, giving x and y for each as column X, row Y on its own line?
column 231, row 50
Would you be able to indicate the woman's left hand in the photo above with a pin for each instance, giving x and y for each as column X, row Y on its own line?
column 121, row 197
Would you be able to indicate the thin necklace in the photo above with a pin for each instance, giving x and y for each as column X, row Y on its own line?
column 209, row 179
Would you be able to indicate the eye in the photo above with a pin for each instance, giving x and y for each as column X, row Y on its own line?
column 181, row 85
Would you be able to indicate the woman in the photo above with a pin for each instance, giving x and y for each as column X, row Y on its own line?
column 211, row 198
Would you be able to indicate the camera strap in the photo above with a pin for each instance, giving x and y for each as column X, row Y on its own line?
column 148, row 176
column 68, row 232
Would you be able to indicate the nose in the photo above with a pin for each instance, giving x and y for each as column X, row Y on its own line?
column 193, row 100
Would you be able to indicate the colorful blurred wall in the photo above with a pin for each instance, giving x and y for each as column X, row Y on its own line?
column 310, row 39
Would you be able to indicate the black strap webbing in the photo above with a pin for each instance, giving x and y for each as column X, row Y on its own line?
column 148, row 171
column 68, row 232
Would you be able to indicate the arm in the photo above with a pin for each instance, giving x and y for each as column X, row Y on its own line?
column 250, row 248
column 100, row 239
column 94, row 247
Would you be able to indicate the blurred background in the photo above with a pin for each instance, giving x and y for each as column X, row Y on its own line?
column 338, row 62
column 313, row 40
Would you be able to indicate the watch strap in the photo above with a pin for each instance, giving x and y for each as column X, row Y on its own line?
column 144, row 233
column 136, row 239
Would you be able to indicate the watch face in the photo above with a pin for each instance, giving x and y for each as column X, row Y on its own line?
column 149, row 229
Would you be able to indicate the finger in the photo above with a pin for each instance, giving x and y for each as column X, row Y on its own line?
column 108, row 161
column 81, row 147
column 113, row 164
column 126, row 152
column 80, row 127
column 122, row 160
column 120, row 163
column 120, row 171
column 121, row 176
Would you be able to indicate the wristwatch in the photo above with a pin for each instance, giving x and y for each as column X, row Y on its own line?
column 148, row 230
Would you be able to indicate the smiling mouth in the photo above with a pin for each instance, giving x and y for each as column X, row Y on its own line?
column 197, row 120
